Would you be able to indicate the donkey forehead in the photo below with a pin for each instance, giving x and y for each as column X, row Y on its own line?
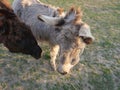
column 73, row 25
column 71, row 40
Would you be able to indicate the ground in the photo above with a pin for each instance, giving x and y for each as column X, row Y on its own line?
column 98, row 69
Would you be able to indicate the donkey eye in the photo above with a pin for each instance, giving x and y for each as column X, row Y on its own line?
column 73, row 61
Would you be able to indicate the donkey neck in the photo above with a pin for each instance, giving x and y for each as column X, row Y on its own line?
column 45, row 32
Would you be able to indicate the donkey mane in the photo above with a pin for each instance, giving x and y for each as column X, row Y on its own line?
column 4, row 4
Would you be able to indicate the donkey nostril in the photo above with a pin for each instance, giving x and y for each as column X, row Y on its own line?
column 64, row 73
column 61, row 71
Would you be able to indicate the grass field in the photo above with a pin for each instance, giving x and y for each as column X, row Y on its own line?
column 99, row 67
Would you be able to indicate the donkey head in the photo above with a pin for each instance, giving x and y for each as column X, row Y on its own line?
column 17, row 36
column 73, row 37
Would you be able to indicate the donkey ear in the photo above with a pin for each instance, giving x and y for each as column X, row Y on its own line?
column 85, row 33
column 57, row 21
column 78, row 17
column 61, row 12
column 71, row 15
column 7, row 14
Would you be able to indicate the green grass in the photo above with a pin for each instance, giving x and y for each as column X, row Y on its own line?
column 99, row 68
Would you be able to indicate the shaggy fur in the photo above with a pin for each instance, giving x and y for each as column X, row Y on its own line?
column 65, row 38
column 14, row 34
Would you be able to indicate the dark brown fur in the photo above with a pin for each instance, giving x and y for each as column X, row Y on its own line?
column 14, row 34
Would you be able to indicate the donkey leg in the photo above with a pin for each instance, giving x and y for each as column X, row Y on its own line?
column 53, row 54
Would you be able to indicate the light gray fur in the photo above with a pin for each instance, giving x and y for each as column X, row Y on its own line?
column 29, row 12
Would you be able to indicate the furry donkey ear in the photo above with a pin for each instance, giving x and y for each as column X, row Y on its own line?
column 57, row 21
column 7, row 14
column 61, row 20
column 79, row 15
column 71, row 15
column 85, row 33
column 61, row 12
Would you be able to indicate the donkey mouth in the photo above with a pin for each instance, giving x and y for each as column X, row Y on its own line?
column 62, row 72
column 37, row 53
column 37, row 56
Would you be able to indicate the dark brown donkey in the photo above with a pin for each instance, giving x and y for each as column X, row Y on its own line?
column 14, row 34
